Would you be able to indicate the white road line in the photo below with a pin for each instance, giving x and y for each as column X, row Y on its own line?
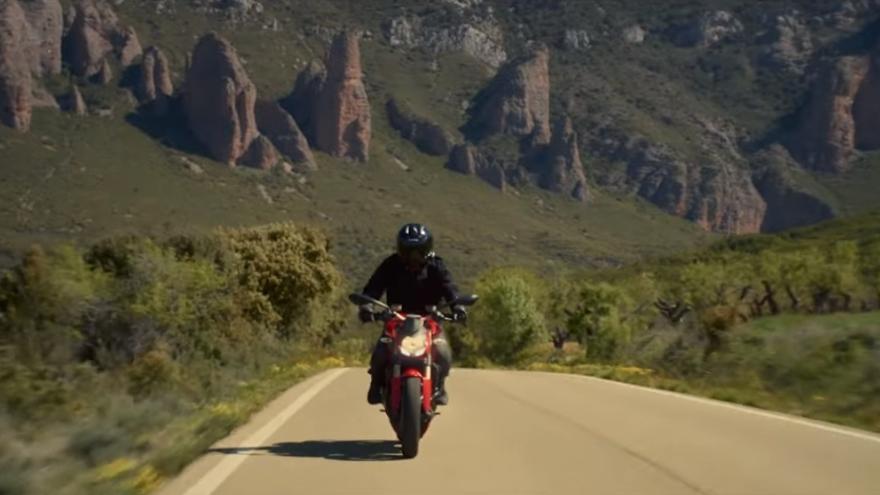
column 218, row 474
column 862, row 435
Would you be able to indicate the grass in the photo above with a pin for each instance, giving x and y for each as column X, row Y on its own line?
column 133, row 447
column 857, row 189
column 821, row 367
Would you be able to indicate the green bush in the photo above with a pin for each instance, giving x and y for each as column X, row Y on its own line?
column 598, row 320
column 508, row 319
column 291, row 276
column 111, row 340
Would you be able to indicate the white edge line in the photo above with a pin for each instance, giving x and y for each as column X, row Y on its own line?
column 863, row 435
column 218, row 474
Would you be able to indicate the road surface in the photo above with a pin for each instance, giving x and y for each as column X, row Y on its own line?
column 523, row 433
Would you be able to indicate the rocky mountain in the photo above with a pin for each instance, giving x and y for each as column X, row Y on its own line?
column 742, row 117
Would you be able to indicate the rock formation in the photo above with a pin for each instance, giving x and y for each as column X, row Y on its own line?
column 634, row 35
column 866, row 107
column 517, row 101
column 15, row 70
column 467, row 159
column 472, row 30
column 281, row 129
column 342, row 124
column 429, row 137
column 219, row 99
column 719, row 195
column 129, row 47
column 154, row 86
column 574, row 40
column 94, row 35
column 260, row 154
column 75, row 102
column 826, row 137
column 105, row 74
column 30, row 46
column 302, row 102
column 709, row 29
column 560, row 169
column 789, row 42
column 790, row 203
column 45, row 23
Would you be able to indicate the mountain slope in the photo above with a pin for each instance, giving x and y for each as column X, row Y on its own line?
column 682, row 104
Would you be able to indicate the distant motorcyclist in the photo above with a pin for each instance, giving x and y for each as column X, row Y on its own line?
column 414, row 278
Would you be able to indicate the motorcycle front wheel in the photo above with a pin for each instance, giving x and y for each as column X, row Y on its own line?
column 411, row 417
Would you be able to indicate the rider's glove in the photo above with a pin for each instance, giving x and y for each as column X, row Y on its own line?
column 366, row 315
column 459, row 313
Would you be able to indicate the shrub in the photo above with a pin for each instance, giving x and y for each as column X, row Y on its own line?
column 598, row 319
column 507, row 320
column 290, row 275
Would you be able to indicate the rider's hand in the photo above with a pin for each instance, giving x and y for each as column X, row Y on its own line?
column 459, row 313
column 366, row 315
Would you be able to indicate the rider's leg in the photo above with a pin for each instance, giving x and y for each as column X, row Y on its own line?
column 378, row 363
column 443, row 358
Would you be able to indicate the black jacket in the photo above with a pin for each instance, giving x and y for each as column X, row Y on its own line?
column 412, row 290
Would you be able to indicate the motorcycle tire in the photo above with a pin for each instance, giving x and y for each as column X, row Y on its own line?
column 411, row 417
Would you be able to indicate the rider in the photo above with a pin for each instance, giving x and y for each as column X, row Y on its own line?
column 414, row 278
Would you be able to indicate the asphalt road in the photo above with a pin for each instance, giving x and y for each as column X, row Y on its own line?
column 532, row 433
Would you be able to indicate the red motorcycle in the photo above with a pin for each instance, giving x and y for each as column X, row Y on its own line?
column 409, row 392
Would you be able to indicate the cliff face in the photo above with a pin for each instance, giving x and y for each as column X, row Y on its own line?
column 826, row 137
column 718, row 195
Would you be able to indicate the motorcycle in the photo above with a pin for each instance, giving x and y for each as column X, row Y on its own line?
column 409, row 394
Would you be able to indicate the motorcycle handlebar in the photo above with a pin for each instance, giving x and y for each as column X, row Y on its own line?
column 388, row 315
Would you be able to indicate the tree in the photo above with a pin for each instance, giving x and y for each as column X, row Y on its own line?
column 599, row 319
column 869, row 266
column 508, row 320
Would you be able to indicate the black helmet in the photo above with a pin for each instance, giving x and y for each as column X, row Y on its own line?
column 414, row 243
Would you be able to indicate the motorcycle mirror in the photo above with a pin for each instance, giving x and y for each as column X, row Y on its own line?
column 465, row 300
column 361, row 299
column 431, row 309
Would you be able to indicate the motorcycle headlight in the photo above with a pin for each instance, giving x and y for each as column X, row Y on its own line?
column 413, row 346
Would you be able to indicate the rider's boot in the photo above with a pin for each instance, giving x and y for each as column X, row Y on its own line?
column 374, row 395
column 441, row 398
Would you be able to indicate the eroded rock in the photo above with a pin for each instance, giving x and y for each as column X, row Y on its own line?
column 517, row 101
column 428, row 136
column 219, row 98
column 342, row 119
